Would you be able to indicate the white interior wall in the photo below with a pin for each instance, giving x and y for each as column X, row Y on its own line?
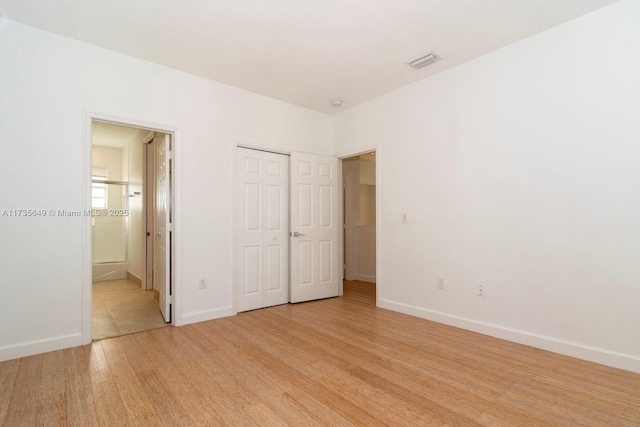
column 110, row 158
column 49, row 84
column 518, row 170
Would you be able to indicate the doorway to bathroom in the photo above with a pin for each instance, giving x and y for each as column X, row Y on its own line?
column 130, row 239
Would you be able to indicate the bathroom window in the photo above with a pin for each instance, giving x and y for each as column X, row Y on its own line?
column 98, row 189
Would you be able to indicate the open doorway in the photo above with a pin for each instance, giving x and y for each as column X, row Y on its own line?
column 127, row 175
column 359, row 227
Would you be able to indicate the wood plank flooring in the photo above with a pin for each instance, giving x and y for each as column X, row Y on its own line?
column 335, row 362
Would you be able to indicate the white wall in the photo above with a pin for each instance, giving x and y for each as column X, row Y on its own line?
column 47, row 82
column 518, row 170
column 110, row 158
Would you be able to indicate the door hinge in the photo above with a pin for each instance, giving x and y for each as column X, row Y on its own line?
column 170, row 155
column 169, row 227
column 170, row 299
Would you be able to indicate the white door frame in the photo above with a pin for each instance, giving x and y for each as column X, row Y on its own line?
column 87, row 290
column 378, row 204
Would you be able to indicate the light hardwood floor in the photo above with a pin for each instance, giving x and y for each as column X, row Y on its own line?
column 120, row 307
column 335, row 362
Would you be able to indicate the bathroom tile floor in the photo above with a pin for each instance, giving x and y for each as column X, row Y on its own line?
column 120, row 307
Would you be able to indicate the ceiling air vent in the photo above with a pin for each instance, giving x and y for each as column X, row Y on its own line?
column 424, row 61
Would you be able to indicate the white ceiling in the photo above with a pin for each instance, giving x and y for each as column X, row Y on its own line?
column 305, row 52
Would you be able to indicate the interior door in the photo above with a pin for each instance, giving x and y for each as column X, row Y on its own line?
column 263, row 229
column 315, row 227
column 162, row 224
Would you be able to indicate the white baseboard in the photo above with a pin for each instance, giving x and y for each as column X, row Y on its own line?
column 602, row 356
column 30, row 348
column 364, row 278
column 203, row 316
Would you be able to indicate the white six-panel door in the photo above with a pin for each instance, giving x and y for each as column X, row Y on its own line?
column 315, row 227
column 262, row 229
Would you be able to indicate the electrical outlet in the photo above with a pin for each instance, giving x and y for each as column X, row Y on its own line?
column 480, row 290
column 440, row 282
column 202, row 283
